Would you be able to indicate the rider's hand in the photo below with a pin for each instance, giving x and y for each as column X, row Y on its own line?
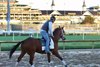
column 51, row 36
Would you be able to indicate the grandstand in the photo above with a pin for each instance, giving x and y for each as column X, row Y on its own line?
column 24, row 18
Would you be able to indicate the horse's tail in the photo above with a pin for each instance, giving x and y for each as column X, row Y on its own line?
column 14, row 48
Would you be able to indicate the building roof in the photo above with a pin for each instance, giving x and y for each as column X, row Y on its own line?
column 55, row 12
column 87, row 13
column 45, row 12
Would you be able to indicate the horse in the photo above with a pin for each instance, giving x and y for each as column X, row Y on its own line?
column 32, row 45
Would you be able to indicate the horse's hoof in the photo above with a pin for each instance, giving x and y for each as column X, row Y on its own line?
column 32, row 66
column 66, row 66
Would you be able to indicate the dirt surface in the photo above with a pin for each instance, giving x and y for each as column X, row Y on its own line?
column 74, row 58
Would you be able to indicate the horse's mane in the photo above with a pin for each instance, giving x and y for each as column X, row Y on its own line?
column 55, row 31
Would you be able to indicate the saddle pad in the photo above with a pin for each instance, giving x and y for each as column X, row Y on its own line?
column 51, row 45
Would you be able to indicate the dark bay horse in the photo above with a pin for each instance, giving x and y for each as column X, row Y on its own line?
column 32, row 45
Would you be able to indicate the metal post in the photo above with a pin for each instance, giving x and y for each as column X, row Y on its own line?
column 8, row 15
column 0, row 47
column 93, row 45
column 63, row 45
column 13, row 36
column 83, row 36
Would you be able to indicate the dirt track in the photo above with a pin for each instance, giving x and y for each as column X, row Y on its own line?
column 74, row 58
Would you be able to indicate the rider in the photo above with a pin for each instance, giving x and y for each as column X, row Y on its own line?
column 46, row 31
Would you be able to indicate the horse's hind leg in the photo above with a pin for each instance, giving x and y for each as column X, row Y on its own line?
column 31, row 59
column 48, row 55
column 57, row 55
column 20, row 57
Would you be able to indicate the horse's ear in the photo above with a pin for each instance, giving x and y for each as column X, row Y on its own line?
column 59, row 27
column 63, row 27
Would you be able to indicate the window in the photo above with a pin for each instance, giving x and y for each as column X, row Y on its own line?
column 71, row 14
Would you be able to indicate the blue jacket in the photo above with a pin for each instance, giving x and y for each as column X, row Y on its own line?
column 48, row 27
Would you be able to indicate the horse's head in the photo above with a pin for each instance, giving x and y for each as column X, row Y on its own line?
column 59, row 33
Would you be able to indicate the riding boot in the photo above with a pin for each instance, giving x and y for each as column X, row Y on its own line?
column 47, row 50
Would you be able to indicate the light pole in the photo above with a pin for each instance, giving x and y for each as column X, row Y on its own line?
column 52, row 5
column 8, row 15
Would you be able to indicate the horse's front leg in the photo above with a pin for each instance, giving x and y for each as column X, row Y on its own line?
column 57, row 55
column 49, row 58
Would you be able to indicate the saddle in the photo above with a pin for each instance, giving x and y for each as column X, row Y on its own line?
column 43, row 43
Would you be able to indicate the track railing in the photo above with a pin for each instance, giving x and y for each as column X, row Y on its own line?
column 7, row 42
column 64, row 41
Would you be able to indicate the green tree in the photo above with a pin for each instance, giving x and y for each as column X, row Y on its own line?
column 88, row 20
